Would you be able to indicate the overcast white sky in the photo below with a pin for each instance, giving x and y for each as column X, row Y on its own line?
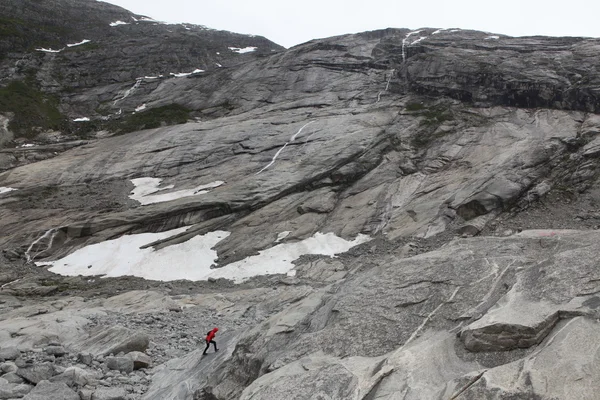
column 292, row 22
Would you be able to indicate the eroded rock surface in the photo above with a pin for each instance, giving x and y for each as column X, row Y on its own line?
column 404, row 143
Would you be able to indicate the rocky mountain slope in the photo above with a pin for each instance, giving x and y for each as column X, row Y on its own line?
column 386, row 215
column 80, row 59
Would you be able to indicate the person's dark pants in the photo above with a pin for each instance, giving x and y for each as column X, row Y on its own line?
column 208, row 345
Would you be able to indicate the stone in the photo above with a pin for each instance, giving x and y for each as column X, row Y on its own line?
column 140, row 360
column 12, row 377
column 14, row 390
column 45, row 390
column 109, row 394
column 75, row 377
column 36, row 373
column 7, row 367
column 57, row 351
column 114, row 340
column 123, row 364
column 85, row 394
column 85, row 358
column 9, row 353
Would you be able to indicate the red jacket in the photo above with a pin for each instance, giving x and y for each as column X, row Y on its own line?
column 211, row 334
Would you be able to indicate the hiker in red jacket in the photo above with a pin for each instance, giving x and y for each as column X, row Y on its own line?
column 209, row 339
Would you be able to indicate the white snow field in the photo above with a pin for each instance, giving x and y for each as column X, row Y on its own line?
column 6, row 190
column 183, row 74
column 192, row 259
column 242, row 51
column 117, row 23
column 84, row 41
column 145, row 187
column 84, row 119
column 49, row 50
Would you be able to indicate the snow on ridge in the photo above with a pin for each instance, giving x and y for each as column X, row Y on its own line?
column 84, row 41
column 492, row 37
column 146, row 19
column 6, row 189
column 117, row 23
column 191, row 259
column 146, row 187
column 50, row 50
column 83, row 119
column 418, row 40
column 27, row 145
column 242, row 50
column 140, row 108
column 182, row 74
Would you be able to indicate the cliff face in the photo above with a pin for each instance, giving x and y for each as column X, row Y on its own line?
column 453, row 172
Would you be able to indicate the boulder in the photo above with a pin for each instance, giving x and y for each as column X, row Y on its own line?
column 9, row 353
column 75, row 377
column 36, row 373
column 57, row 351
column 85, row 394
column 123, row 364
column 109, row 394
column 13, row 391
column 140, row 360
column 8, row 367
column 12, row 377
column 85, row 358
column 114, row 340
column 52, row 391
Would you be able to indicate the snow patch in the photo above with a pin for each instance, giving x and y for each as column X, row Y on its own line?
column 146, row 187
column 84, row 119
column 282, row 236
column 140, row 108
column 182, row 74
column 117, row 23
column 146, row 19
column 27, row 145
column 404, row 41
column 84, row 41
column 50, row 50
column 242, row 51
column 492, row 37
column 439, row 31
column 6, row 190
column 418, row 40
column 219, row 65
column 191, row 259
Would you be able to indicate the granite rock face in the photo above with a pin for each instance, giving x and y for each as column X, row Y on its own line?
column 469, row 159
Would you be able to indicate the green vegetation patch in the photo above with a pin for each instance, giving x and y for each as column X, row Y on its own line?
column 31, row 108
column 172, row 114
